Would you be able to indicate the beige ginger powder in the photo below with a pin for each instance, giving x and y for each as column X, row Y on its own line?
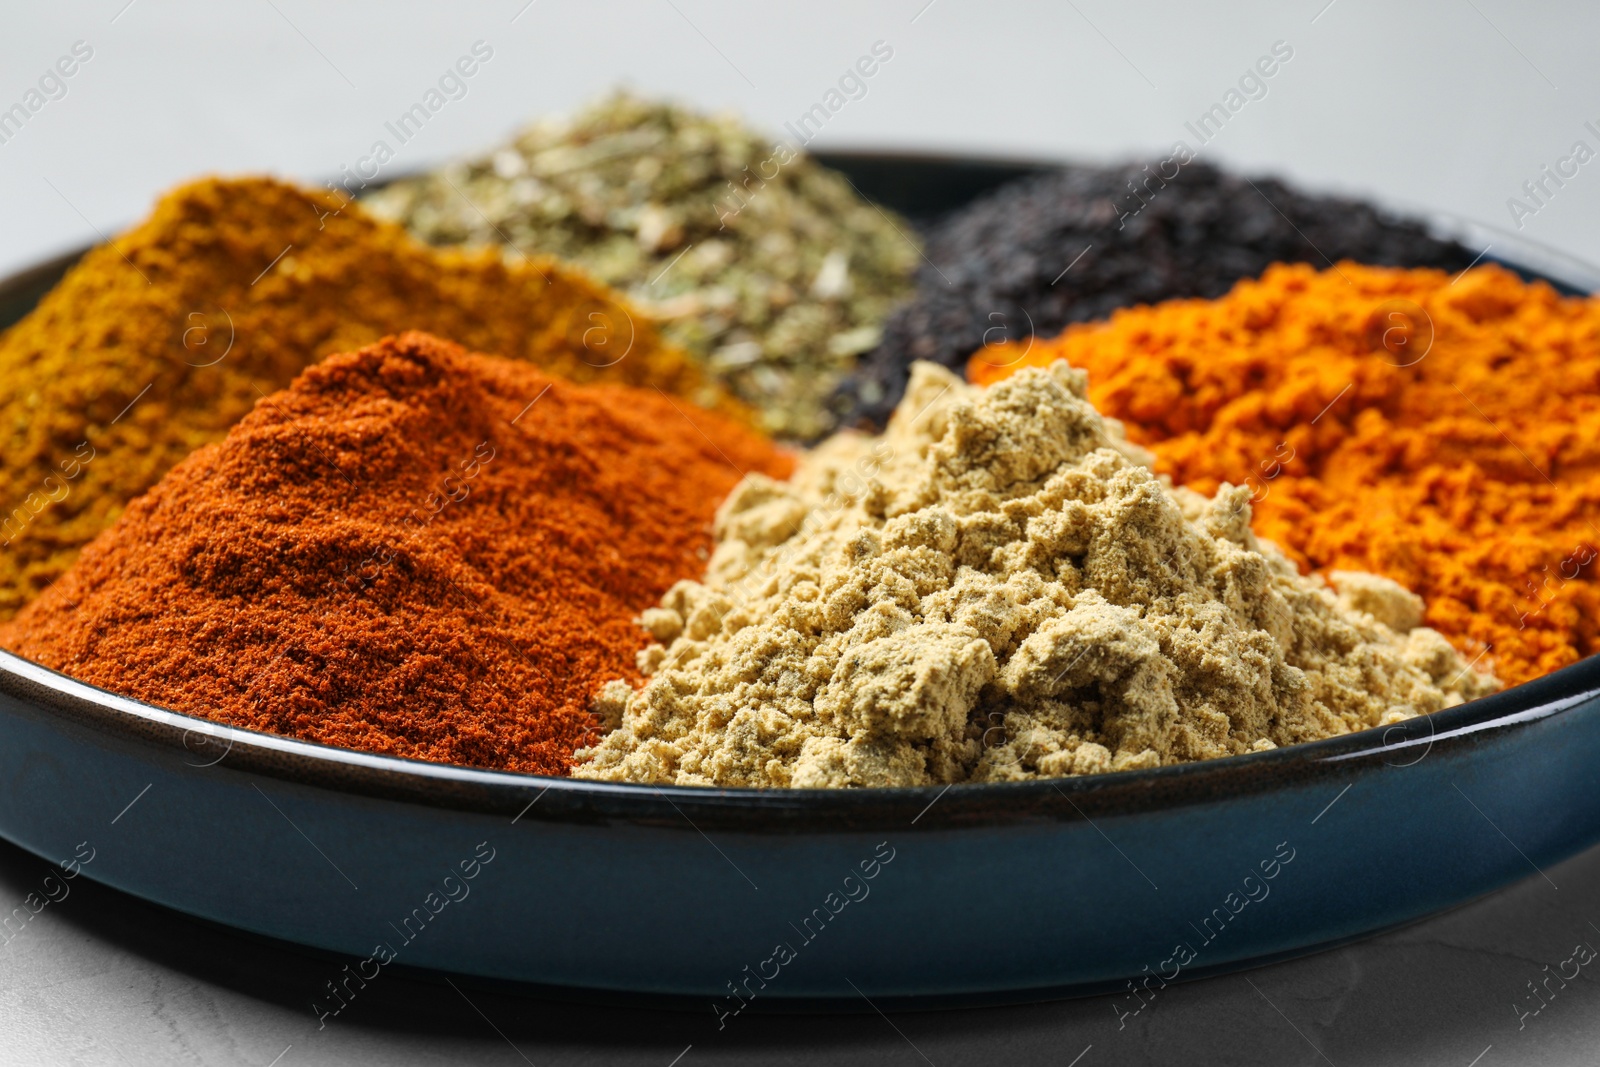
column 999, row 588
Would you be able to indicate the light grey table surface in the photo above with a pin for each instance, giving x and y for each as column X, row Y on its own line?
column 1443, row 104
column 103, row 978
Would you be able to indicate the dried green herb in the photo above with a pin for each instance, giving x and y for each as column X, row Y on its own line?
column 751, row 255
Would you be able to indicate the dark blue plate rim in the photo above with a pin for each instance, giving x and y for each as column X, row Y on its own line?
column 204, row 744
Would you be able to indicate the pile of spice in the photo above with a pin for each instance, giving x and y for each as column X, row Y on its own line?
column 413, row 551
column 996, row 589
column 1444, row 432
column 1075, row 244
column 158, row 342
column 752, row 255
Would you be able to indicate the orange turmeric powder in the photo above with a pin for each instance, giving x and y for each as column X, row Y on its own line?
column 159, row 341
column 1443, row 431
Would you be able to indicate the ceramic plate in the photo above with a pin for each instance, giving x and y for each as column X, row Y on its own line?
column 958, row 895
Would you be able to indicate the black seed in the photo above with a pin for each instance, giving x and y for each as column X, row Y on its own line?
column 996, row 265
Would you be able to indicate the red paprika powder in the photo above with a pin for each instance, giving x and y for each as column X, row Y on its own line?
column 413, row 550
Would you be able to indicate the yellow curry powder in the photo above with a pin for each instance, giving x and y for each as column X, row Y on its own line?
column 158, row 342
column 1441, row 431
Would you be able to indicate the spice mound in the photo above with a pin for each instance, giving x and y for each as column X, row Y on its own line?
column 1075, row 244
column 752, row 255
column 413, row 551
column 159, row 341
column 1443, row 432
column 999, row 588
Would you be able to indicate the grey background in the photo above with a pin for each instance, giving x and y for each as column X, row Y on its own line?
column 1448, row 104
column 1442, row 106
